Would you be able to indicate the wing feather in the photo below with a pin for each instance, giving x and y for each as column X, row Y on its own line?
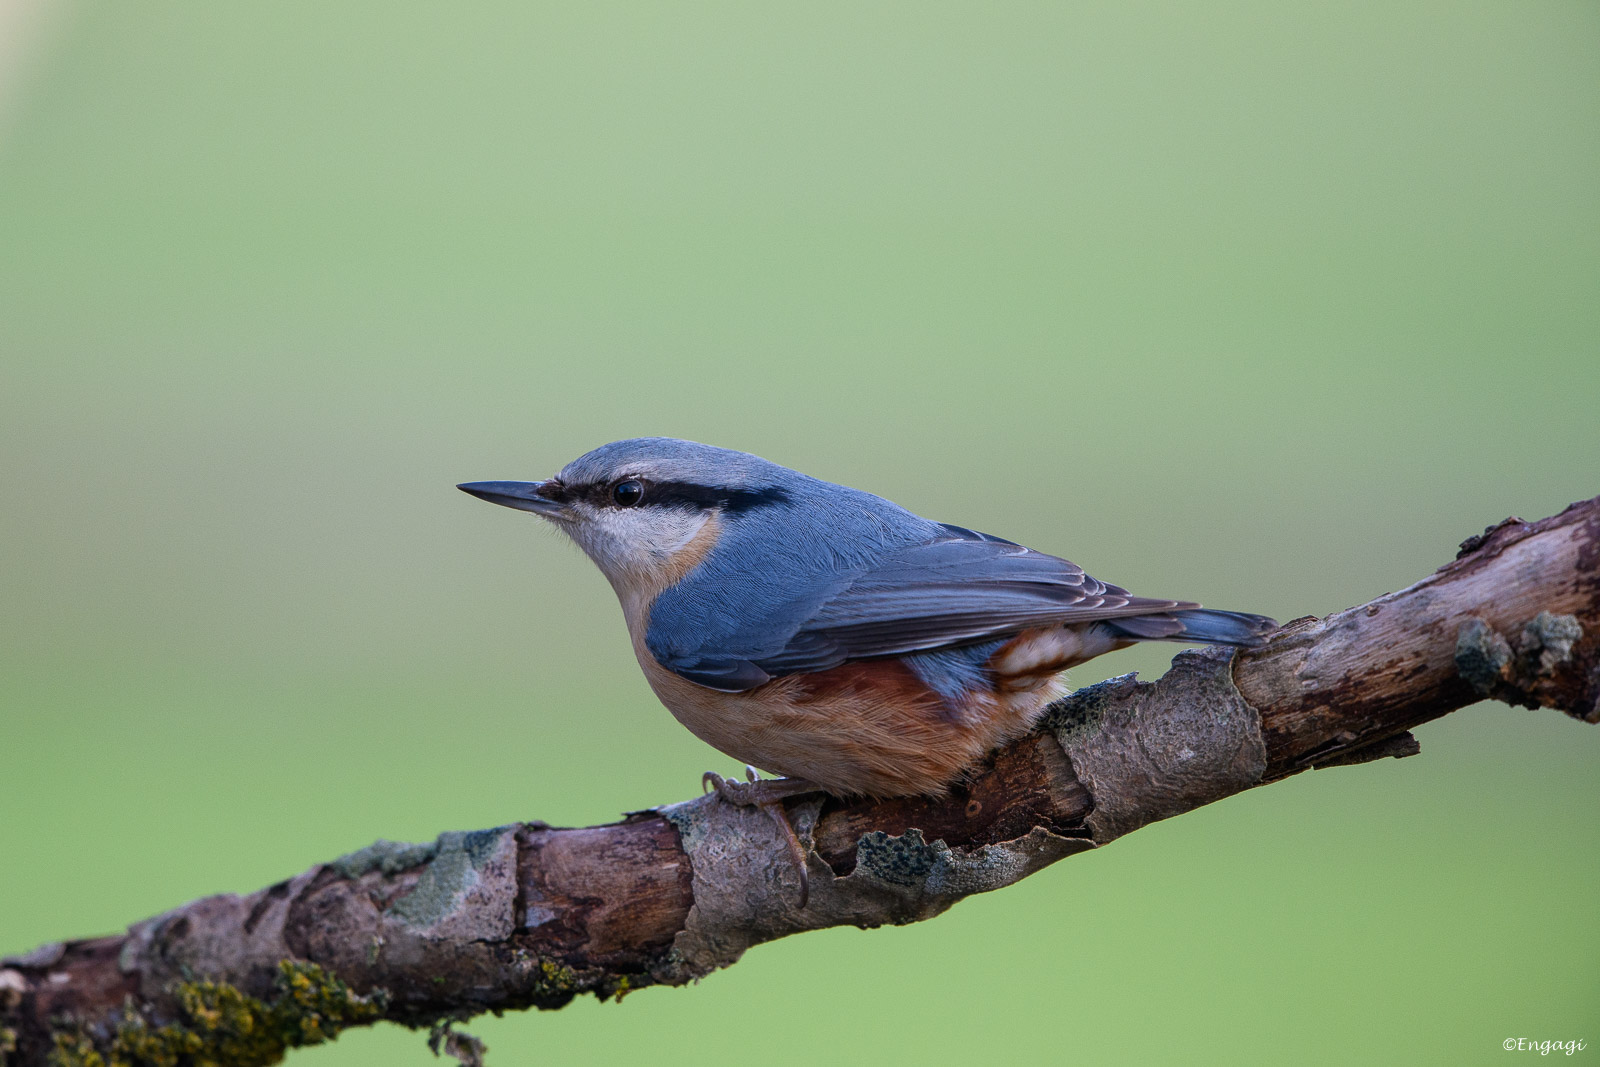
column 957, row 589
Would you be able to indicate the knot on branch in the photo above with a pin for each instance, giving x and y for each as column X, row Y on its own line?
column 1538, row 669
column 746, row 895
column 1477, row 541
column 1149, row 751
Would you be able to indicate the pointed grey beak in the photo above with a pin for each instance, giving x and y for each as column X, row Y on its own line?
column 524, row 496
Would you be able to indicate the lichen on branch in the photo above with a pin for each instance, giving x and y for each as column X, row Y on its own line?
column 218, row 1024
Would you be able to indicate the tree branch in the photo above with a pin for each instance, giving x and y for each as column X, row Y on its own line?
column 529, row 914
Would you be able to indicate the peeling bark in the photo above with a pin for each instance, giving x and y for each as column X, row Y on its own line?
column 532, row 915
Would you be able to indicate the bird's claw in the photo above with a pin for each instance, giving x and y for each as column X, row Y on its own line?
column 739, row 794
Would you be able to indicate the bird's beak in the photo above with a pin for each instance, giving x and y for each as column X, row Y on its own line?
column 537, row 497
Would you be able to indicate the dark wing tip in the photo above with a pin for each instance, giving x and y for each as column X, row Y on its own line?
column 1226, row 627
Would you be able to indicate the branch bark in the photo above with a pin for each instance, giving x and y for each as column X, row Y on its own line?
column 532, row 915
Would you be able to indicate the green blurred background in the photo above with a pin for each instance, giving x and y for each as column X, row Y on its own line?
column 1264, row 305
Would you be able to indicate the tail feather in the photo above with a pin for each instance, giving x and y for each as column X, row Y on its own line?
column 1203, row 625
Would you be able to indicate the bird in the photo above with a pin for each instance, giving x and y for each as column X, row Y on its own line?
column 828, row 635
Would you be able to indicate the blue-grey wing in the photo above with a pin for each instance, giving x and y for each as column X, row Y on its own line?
column 957, row 589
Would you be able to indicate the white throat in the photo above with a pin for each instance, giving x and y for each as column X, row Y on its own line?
column 641, row 551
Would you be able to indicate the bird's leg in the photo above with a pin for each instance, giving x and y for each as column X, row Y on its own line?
column 768, row 795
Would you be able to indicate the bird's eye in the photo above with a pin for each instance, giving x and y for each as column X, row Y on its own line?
column 628, row 492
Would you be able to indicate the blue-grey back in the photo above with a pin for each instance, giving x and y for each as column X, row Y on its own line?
column 774, row 566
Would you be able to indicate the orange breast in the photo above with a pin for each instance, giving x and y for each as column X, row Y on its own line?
column 870, row 728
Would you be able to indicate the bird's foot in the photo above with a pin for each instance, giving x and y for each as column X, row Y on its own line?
column 755, row 791
column 768, row 794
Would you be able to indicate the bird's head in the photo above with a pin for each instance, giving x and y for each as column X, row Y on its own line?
column 646, row 510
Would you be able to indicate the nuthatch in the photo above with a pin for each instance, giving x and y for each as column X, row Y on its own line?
column 827, row 634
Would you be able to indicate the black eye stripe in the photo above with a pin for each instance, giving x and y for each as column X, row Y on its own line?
column 668, row 494
column 720, row 497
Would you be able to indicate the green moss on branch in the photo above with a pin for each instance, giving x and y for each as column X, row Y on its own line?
column 221, row 1026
